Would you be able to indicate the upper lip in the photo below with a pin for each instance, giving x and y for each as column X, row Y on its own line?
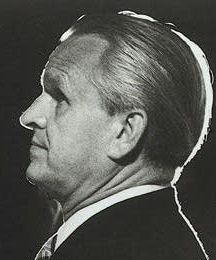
column 36, row 143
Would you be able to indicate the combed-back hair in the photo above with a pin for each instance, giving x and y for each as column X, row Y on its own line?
column 147, row 66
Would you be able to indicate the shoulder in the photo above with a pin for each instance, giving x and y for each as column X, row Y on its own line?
column 146, row 227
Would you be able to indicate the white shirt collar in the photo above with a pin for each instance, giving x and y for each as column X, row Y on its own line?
column 84, row 214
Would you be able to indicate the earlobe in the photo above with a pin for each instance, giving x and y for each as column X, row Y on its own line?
column 129, row 129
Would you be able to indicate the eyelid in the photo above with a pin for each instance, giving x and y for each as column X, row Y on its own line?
column 57, row 94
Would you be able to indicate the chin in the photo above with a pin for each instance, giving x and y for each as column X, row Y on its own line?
column 39, row 176
column 35, row 173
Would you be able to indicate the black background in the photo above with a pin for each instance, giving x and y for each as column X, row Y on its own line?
column 29, row 30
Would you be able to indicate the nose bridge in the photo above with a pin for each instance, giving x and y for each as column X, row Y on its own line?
column 36, row 115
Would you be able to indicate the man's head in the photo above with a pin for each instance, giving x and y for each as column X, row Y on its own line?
column 146, row 66
column 119, row 89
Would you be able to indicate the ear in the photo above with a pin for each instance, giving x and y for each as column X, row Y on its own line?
column 127, row 129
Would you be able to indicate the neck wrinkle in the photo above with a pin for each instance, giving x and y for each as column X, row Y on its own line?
column 127, row 177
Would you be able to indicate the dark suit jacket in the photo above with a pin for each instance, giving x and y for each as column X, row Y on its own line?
column 146, row 227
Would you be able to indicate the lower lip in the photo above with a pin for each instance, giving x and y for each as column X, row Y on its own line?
column 36, row 150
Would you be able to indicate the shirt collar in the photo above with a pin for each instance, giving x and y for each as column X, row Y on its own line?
column 84, row 214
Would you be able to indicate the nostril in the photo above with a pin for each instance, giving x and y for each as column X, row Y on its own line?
column 31, row 126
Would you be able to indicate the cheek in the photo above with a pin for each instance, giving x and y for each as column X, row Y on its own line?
column 70, row 139
column 76, row 137
column 76, row 142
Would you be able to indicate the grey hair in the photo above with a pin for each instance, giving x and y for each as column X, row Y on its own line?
column 147, row 66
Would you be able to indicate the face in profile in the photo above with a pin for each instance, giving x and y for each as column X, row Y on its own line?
column 68, row 124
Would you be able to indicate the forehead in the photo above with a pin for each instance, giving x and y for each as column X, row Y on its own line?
column 71, row 65
column 82, row 52
column 73, row 60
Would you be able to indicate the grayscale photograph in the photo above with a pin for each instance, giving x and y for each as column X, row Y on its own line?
column 108, row 129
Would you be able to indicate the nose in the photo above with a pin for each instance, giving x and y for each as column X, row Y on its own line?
column 37, row 114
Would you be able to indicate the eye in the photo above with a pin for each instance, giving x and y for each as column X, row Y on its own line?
column 61, row 102
column 59, row 98
column 58, row 95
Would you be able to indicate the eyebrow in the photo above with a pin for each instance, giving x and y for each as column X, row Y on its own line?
column 54, row 83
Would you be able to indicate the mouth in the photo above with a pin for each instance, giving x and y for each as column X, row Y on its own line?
column 36, row 144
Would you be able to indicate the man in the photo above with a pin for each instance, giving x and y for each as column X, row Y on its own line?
column 125, row 104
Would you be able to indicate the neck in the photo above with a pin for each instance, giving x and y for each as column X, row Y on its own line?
column 121, row 178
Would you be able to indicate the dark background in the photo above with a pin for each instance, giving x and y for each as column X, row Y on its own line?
column 29, row 30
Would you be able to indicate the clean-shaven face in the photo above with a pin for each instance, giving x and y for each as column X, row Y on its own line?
column 69, row 125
